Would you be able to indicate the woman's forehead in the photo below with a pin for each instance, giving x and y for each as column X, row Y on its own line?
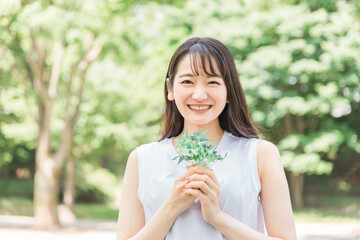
column 198, row 65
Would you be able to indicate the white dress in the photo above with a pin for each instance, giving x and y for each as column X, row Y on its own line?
column 237, row 175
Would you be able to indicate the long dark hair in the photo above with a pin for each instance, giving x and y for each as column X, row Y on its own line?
column 235, row 117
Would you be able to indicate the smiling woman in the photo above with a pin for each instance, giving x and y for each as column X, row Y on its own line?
column 235, row 199
column 199, row 96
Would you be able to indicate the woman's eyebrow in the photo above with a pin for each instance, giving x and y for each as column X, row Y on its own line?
column 187, row 75
column 191, row 75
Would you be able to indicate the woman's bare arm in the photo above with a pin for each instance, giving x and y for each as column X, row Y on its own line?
column 131, row 222
column 131, row 213
column 274, row 194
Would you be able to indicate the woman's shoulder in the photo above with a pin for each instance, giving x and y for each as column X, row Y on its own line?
column 266, row 147
column 268, row 156
column 152, row 146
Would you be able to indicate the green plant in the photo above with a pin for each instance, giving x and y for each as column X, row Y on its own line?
column 196, row 151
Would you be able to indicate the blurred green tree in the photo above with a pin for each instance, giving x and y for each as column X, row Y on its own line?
column 39, row 35
column 311, row 75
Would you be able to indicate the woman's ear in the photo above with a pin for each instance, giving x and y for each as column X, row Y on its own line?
column 170, row 95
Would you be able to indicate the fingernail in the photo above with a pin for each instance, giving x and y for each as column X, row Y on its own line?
column 187, row 185
column 188, row 178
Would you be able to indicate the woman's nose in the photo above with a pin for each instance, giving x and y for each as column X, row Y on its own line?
column 199, row 93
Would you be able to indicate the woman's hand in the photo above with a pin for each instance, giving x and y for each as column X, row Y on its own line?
column 179, row 200
column 203, row 185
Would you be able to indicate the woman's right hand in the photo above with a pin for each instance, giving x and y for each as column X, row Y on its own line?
column 179, row 200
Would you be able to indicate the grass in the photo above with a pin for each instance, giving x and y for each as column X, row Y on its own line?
column 322, row 209
column 16, row 188
column 329, row 209
column 95, row 211
column 316, row 215
column 332, row 201
column 23, row 207
column 16, row 206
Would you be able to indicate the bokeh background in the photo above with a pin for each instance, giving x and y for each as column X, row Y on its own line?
column 81, row 85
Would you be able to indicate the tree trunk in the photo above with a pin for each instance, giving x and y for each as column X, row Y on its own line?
column 46, row 185
column 296, row 189
column 69, row 192
column 46, row 196
column 48, row 164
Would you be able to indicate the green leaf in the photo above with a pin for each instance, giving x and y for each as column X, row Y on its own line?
column 196, row 149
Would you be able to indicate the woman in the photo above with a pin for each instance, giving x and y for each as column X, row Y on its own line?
column 235, row 199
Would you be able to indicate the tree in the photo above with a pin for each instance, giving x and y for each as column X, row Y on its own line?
column 40, row 49
column 302, row 73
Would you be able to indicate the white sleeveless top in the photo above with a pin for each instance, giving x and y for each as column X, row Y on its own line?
column 237, row 175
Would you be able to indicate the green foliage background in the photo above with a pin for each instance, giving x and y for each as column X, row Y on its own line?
column 298, row 61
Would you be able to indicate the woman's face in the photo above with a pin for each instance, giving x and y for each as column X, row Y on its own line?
column 200, row 99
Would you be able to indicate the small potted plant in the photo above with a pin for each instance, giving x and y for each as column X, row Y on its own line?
column 195, row 150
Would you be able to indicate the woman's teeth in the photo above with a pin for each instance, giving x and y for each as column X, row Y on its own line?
column 199, row 107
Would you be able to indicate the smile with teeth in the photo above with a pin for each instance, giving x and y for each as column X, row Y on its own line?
column 199, row 108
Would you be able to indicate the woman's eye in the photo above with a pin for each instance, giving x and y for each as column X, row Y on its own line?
column 186, row 82
column 214, row 82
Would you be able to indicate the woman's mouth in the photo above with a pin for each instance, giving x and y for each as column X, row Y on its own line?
column 200, row 108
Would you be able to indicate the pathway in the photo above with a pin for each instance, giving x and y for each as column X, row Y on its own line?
column 19, row 228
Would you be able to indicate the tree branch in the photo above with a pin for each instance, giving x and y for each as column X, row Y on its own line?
column 36, row 69
column 77, row 108
column 313, row 123
column 299, row 120
column 86, row 46
column 90, row 58
column 287, row 121
column 70, row 122
column 56, row 69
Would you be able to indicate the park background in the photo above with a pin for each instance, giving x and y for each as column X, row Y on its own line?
column 82, row 84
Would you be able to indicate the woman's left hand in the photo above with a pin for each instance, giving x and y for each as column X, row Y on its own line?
column 205, row 187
